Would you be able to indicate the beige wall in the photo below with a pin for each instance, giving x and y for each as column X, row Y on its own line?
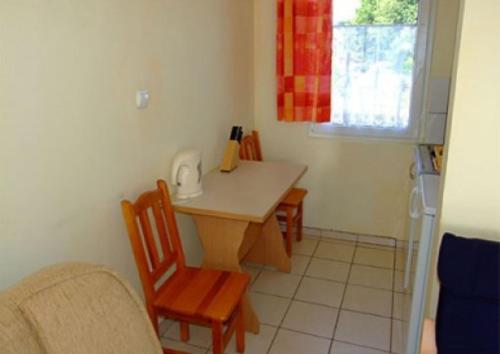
column 471, row 192
column 72, row 143
column 444, row 37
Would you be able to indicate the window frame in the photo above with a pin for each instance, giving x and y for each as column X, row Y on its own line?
column 418, row 103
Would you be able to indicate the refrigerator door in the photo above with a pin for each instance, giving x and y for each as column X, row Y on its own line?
column 428, row 187
column 417, row 309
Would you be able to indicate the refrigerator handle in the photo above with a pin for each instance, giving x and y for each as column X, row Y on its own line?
column 412, row 171
column 413, row 208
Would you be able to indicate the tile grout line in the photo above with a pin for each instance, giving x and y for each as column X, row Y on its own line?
column 392, row 302
column 335, row 327
column 325, row 305
column 293, row 296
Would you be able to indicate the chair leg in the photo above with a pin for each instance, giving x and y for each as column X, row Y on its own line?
column 217, row 338
column 184, row 331
column 289, row 230
column 240, row 330
column 300, row 211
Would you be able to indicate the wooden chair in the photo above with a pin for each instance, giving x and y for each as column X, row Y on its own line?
column 250, row 147
column 292, row 206
column 190, row 295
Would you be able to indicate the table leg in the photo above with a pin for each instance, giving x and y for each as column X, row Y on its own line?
column 269, row 247
column 221, row 240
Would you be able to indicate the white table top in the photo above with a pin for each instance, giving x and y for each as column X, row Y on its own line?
column 251, row 192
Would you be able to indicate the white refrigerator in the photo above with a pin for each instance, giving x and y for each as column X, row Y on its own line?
column 418, row 252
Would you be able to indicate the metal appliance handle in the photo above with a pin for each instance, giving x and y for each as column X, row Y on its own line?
column 412, row 171
column 413, row 208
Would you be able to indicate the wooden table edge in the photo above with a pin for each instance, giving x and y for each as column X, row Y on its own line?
column 216, row 214
column 275, row 205
column 183, row 209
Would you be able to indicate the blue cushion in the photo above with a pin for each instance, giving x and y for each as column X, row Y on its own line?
column 468, row 318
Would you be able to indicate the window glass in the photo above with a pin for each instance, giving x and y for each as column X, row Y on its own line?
column 373, row 62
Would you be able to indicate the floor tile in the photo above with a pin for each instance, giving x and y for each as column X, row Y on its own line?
column 320, row 291
column 345, row 348
column 338, row 235
column 399, row 330
column 369, row 300
column 374, row 257
column 299, row 264
column 199, row 336
column 313, row 319
column 251, row 270
column 327, row 269
column 371, row 277
column 171, row 344
column 305, row 247
column 335, row 251
column 401, row 256
column 269, row 308
column 164, row 326
column 400, row 259
column 254, row 343
column 401, row 306
column 276, row 283
column 399, row 281
column 289, row 342
column 363, row 329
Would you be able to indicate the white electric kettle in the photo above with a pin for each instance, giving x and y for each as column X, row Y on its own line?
column 186, row 174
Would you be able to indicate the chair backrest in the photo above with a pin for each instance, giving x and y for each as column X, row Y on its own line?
column 156, row 246
column 250, row 147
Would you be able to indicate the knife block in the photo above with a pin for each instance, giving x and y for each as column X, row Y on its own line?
column 231, row 156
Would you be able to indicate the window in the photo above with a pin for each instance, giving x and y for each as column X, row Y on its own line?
column 377, row 68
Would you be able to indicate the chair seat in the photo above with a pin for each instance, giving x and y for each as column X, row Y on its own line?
column 293, row 198
column 207, row 294
column 171, row 351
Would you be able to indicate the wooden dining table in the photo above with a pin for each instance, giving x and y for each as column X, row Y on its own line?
column 236, row 221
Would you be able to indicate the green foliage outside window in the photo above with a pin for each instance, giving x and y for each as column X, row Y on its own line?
column 387, row 12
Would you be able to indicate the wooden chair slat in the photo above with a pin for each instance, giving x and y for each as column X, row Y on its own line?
column 192, row 296
column 173, row 231
column 171, row 289
column 232, row 289
column 149, row 239
column 165, row 265
column 162, row 230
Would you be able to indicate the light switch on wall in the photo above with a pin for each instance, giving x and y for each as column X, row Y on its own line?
column 142, row 99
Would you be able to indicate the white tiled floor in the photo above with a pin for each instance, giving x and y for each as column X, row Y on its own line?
column 341, row 297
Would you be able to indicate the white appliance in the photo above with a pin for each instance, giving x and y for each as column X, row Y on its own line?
column 186, row 174
column 434, row 127
column 422, row 211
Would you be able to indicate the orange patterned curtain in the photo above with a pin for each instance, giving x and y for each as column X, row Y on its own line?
column 304, row 60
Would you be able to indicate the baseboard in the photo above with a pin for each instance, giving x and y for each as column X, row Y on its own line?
column 349, row 236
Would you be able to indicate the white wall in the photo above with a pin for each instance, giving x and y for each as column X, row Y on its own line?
column 354, row 185
column 471, row 192
column 72, row 143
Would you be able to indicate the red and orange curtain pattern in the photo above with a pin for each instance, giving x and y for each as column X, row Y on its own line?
column 304, row 60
